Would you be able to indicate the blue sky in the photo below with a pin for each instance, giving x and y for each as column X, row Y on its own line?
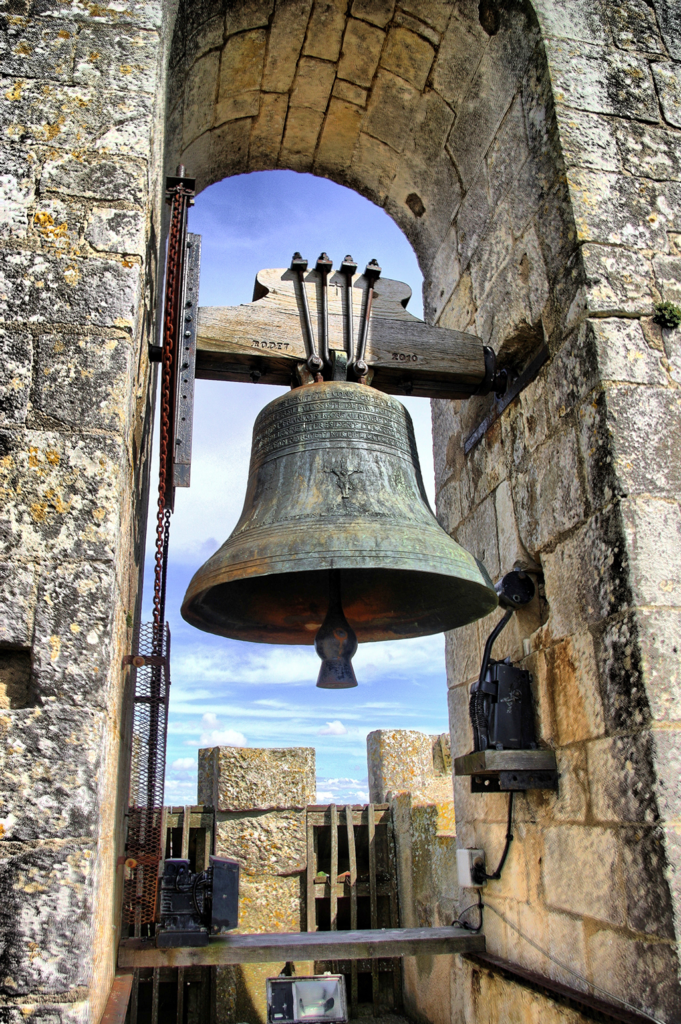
column 224, row 691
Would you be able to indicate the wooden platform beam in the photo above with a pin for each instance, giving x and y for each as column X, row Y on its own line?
column 275, row 948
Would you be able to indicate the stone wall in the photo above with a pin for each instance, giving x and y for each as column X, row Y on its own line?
column 260, row 796
column 578, row 480
column 531, row 155
column 79, row 230
column 413, row 772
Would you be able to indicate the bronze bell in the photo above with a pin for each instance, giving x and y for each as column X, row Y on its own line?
column 336, row 543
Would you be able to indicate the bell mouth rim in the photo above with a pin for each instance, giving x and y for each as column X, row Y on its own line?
column 486, row 603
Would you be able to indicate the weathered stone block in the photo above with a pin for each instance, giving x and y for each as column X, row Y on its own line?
column 68, row 504
column 634, row 27
column 602, row 80
column 270, row 904
column 17, row 190
column 74, row 291
column 666, row 754
column 50, row 759
column 95, row 178
column 286, row 35
column 497, row 78
column 300, row 138
column 658, row 634
column 641, row 972
column 339, row 136
column 589, row 140
column 73, row 635
column 46, row 909
column 39, row 49
column 270, row 843
column 667, row 270
column 377, row 12
column 573, row 681
column 618, row 281
column 121, row 231
column 625, row 704
column 402, row 760
column 573, row 19
column 463, row 654
column 587, row 575
column 17, row 603
column 210, row 35
column 312, row 86
column 623, row 354
column 325, row 30
column 409, row 56
column 117, row 58
column 628, row 440
column 622, row 779
column 472, row 219
column 242, row 778
column 669, row 88
column 16, row 359
column 362, row 46
column 648, row 150
column 198, row 111
column 594, row 893
column 267, row 131
column 551, row 483
column 478, row 534
column 655, row 580
column 350, row 93
column 432, row 12
column 458, row 56
column 618, row 210
column 247, row 15
column 59, row 224
column 101, row 369
column 241, row 64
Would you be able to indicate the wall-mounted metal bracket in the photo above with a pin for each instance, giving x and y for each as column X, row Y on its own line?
column 502, row 771
column 502, row 402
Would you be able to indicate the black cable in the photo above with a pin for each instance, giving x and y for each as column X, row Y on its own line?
column 509, row 839
column 466, row 924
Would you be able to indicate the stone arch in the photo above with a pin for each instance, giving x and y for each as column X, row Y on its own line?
column 439, row 112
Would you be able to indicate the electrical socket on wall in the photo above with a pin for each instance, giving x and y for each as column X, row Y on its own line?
column 470, row 868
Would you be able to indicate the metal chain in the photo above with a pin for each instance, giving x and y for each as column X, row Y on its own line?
column 173, row 283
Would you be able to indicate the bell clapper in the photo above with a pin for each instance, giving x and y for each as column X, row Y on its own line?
column 336, row 642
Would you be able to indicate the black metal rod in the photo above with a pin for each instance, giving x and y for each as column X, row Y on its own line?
column 324, row 265
column 299, row 265
column 490, row 643
column 348, row 268
column 372, row 273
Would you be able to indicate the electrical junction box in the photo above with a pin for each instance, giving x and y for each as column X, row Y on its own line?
column 468, row 863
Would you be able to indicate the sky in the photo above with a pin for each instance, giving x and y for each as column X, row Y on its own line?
column 234, row 693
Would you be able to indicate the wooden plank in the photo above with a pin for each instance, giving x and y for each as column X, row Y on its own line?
column 352, row 857
column 264, row 341
column 321, row 816
column 394, row 916
column 134, row 996
column 186, row 824
column 311, row 872
column 373, row 900
column 117, row 1004
column 154, row 996
column 505, row 760
column 334, row 869
column 278, row 947
column 180, row 994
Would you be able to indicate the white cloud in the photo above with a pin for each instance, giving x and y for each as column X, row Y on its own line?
column 220, row 738
column 342, row 791
column 181, row 763
column 333, row 729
